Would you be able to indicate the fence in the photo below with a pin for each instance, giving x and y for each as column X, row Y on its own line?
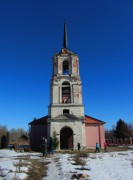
column 117, row 141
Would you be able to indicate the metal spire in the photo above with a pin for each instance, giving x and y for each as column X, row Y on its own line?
column 65, row 43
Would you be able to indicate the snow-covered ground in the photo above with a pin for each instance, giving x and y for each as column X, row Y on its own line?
column 100, row 166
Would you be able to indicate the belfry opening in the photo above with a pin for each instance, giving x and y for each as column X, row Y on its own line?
column 66, row 98
column 65, row 68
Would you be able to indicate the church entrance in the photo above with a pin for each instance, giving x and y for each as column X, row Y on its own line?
column 66, row 138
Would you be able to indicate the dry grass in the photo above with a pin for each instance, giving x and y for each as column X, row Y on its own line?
column 83, row 154
column 132, row 163
column 15, row 178
column 22, row 162
column 109, row 149
column 117, row 148
column 56, row 159
column 78, row 161
column 37, row 170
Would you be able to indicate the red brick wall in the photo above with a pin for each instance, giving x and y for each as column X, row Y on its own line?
column 36, row 134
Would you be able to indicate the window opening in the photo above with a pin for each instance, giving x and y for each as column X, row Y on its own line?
column 66, row 98
column 66, row 111
column 65, row 68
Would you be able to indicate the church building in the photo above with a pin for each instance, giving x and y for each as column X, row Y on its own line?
column 66, row 116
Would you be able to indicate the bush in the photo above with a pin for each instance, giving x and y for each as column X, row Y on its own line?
column 55, row 140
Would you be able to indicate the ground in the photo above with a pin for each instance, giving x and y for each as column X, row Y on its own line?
column 64, row 166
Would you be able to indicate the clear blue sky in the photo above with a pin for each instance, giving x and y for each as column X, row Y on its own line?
column 99, row 31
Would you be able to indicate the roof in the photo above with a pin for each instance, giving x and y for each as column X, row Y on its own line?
column 64, row 52
column 42, row 120
column 24, row 136
column 66, row 117
column 88, row 119
column 91, row 120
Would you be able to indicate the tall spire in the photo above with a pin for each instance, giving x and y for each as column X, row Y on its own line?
column 65, row 43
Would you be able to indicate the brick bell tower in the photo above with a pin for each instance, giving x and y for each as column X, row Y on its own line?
column 66, row 109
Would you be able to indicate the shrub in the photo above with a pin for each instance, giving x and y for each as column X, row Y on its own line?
column 55, row 140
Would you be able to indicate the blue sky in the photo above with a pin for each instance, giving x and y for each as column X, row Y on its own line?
column 99, row 31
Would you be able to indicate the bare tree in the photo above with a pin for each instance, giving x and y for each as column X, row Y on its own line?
column 15, row 135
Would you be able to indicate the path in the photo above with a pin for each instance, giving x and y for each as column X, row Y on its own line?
column 54, row 171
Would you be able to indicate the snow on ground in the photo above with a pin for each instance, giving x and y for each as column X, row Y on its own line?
column 8, row 160
column 54, row 171
column 101, row 166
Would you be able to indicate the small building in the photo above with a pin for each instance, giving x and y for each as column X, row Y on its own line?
column 24, row 139
column 66, row 110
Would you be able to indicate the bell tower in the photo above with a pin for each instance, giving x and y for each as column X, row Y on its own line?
column 66, row 110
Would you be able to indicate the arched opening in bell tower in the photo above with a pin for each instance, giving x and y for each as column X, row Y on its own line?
column 66, row 138
column 66, row 93
column 65, row 67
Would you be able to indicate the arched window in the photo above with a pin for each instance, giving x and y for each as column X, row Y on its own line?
column 66, row 94
column 65, row 67
column 65, row 111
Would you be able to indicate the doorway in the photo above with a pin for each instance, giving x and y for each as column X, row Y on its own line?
column 66, row 138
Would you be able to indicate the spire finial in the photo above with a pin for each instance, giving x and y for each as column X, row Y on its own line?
column 65, row 43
